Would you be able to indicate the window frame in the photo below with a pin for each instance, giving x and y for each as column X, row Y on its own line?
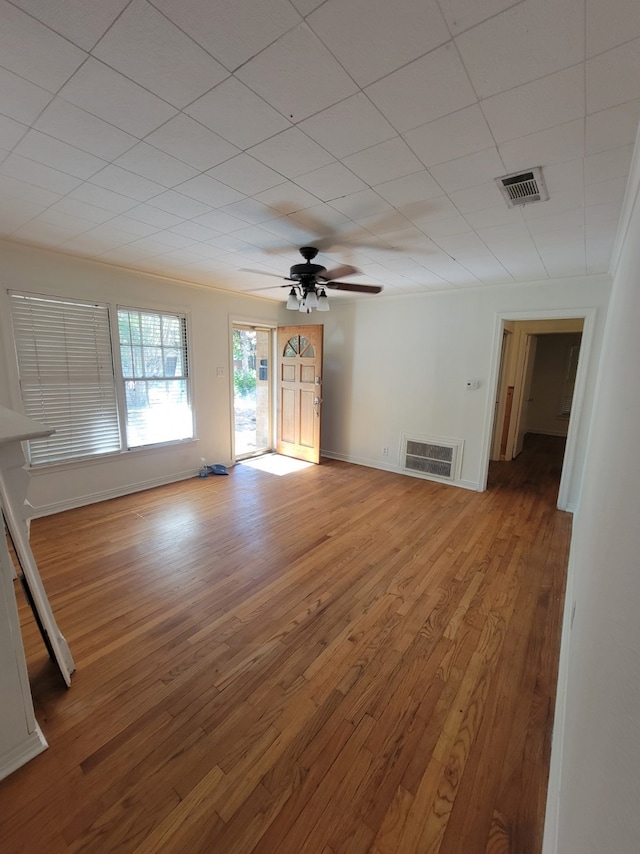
column 184, row 318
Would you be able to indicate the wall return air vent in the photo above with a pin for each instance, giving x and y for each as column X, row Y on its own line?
column 436, row 459
column 523, row 188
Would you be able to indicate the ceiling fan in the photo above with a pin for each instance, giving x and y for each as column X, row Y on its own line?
column 310, row 281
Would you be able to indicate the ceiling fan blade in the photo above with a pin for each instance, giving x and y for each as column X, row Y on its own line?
column 358, row 289
column 263, row 273
column 339, row 273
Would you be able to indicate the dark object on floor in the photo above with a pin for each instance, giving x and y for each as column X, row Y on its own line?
column 218, row 468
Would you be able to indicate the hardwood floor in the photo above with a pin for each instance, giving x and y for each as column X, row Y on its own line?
column 339, row 660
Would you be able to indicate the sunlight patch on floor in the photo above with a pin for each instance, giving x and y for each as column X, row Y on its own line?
column 277, row 464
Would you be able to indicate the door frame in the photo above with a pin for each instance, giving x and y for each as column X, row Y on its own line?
column 588, row 316
column 272, row 326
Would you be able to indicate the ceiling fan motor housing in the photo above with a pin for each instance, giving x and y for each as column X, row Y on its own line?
column 299, row 272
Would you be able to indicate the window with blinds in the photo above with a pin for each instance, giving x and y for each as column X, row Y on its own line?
column 65, row 366
column 155, row 370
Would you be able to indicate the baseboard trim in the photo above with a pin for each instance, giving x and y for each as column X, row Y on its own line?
column 18, row 756
column 376, row 464
column 95, row 497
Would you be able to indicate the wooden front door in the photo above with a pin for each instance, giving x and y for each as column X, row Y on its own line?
column 299, row 391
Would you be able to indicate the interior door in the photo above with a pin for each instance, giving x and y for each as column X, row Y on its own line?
column 531, row 343
column 299, row 391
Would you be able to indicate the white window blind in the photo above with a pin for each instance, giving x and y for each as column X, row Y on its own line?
column 65, row 366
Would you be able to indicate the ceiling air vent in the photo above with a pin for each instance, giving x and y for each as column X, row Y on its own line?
column 522, row 188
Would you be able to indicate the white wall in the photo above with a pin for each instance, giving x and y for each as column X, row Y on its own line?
column 26, row 269
column 595, row 785
column 547, row 384
column 399, row 365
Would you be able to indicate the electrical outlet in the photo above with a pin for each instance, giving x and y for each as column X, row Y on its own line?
column 385, row 451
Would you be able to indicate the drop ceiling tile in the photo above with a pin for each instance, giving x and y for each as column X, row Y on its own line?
column 90, row 213
column 606, row 192
column 287, row 198
column 186, row 139
column 478, row 198
column 13, row 191
column 297, row 75
column 156, row 165
column 331, row 182
column 73, row 19
column 461, row 15
column 110, row 96
column 409, row 189
column 59, row 155
column 505, row 234
column 523, row 266
column 146, row 47
column 20, row 99
column 424, row 90
column 179, row 205
column 111, row 236
column 611, row 24
column 79, row 128
column 232, row 32
column 126, row 183
column 19, row 215
column 101, row 198
column 559, row 202
column 372, row 39
column 452, row 136
column 499, row 216
column 595, row 214
column 612, row 128
column 470, row 171
column 133, row 226
column 566, row 177
column 305, row 7
column 572, row 219
column 350, row 126
column 45, row 233
column 383, row 162
column 291, row 153
column 35, row 52
column 536, row 106
column 444, row 227
column 605, row 165
column 154, row 216
column 237, row 113
column 11, row 132
column 366, row 203
column 15, row 166
column 206, row 189
column 194, row 231
column 162, row 242
column 259, row 237
column 251, row 211
column 555, row 145
column 246, row 174
column 613, row 77
column 531, row 40
column 424, row 213
column 221, row 221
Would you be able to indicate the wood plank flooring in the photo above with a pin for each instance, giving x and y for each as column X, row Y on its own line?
column 336, row 661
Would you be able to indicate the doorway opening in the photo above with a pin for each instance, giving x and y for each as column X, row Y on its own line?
column 252, row 395
column 536, row 382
